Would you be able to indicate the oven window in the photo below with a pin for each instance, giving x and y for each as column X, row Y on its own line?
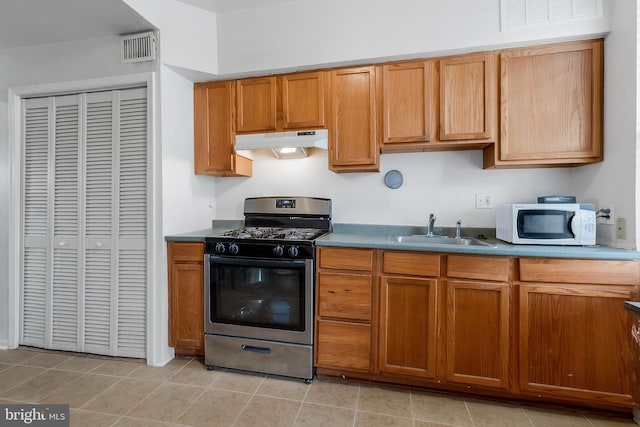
column 255, row 295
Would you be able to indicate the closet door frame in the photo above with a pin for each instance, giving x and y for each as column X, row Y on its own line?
column 156, row 334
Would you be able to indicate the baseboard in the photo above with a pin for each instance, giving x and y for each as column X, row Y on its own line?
column 4, row 344
column 636, row 415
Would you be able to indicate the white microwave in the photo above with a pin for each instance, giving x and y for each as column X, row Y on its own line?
column 547, row 224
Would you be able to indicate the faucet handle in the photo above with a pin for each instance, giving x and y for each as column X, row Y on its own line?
column 458, row 229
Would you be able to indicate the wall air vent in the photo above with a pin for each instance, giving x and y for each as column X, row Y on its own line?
column 139, row 47
column 519, row 14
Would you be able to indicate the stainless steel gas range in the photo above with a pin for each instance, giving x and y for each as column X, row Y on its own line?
column 259, row 287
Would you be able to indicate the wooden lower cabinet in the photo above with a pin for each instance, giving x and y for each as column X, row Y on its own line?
column 344, row 345
column 407, row 336
column 186, row 297
column 478, row 320
column 574, row 342
column 344, row 296
column 535, row 329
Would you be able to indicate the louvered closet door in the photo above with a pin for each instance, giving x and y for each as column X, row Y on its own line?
column 85, row 222
column 133, row 199
column 66, row 273
column 35, row 219
column 99, row 259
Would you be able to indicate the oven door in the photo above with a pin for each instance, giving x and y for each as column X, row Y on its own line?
column 259, row 298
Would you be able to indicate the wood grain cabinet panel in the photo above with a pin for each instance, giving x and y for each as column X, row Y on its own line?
column 574, row 342
column 343, row 295
column 467, row 97
column 353, row 144
column 257, row 104
column 478, row 332
column 407, row 102
column 344, row 298
column 411, row 263
column 343, row 345
column 407, row 326
column 214, row 133
column 304, row 100
column 186, row 297
column 346, row 258
column 551, row 105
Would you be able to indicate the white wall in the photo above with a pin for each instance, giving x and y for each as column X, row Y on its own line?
column 4, row 226
column 444, row 183
column 306, row 33
column 188, row 35
column 185, row 196
column 614, row 180
column 63, row 62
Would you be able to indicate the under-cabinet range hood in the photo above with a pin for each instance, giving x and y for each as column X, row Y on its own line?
column 284, row 144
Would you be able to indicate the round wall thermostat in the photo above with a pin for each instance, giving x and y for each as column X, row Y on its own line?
column 393, row 179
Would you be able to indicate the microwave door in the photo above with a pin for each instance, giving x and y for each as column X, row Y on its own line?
column 545, row 224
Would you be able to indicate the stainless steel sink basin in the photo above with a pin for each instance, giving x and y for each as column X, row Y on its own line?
column 439, row 240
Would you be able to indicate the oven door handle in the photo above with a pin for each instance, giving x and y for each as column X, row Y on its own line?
column 255, row 262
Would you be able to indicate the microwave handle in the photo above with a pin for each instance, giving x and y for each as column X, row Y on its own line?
column 574, row 225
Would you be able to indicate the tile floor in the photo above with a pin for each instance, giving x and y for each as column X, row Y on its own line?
column 103, row 391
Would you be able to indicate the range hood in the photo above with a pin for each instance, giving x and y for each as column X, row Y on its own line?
column 296, row 139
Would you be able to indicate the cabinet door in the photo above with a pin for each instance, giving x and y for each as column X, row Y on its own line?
column 214, row 136
column 407, row 102
column 467, row 97
column 353, row 146
column 343, row 345
column 407, row 326
column 478, row 332
column 257, row 104
column 186, row 297
column 304, row 100
column 575, row 342
column 551, row 104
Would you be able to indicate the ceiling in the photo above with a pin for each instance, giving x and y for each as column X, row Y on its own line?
column 228, row 5
column 33, row 22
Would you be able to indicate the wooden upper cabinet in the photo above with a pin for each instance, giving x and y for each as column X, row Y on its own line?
column 407, row 102
column 353, row 145
column 214, row 134
column 283, row 102
column 257, row 104
column 304, row 100
column 467, row 97
column 551, row 101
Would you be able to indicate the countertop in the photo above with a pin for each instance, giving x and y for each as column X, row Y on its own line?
column 378, row 237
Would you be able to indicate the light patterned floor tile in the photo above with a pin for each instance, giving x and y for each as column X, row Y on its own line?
column 265, row 411
column 492, row 414
column 16, row 356
column 167, row 403
column 545, row 418
column 158, row 373
column 215, row 408
column 122, row 396
column 195, row 373
column 368, row 419
column 313, row 415
column 385, row 401
column 46, row 360
column 36, row 388
column 239, row 381
column 333, row 393
column 440, row 409
column 80, row 364
column 286, row 388
column 81, row 390
column 117, row 368
column 85, row 418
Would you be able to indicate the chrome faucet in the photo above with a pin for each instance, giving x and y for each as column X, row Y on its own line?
column 458, row 228
column 430, row 225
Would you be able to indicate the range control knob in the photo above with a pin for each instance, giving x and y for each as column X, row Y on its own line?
column 220, row 248
column 293, row 251
column 233, row 248
column 278, row 250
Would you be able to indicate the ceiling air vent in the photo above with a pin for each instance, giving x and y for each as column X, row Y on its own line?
column 138, row 47
column 519, row 14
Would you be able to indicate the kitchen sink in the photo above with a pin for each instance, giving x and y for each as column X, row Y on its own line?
column 439, row 240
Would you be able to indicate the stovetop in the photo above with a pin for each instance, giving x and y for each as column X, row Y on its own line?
column 275, row 233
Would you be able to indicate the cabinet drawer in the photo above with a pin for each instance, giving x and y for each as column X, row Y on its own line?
column 579, row 271
column 180, row 251
column 411, row 263
column 346, row 296
column 478, row 267
column 344, row 345
column 346, row 258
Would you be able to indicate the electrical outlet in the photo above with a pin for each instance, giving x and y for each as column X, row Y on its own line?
column 605, row 214
column 621, row 228
column 484, row 201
